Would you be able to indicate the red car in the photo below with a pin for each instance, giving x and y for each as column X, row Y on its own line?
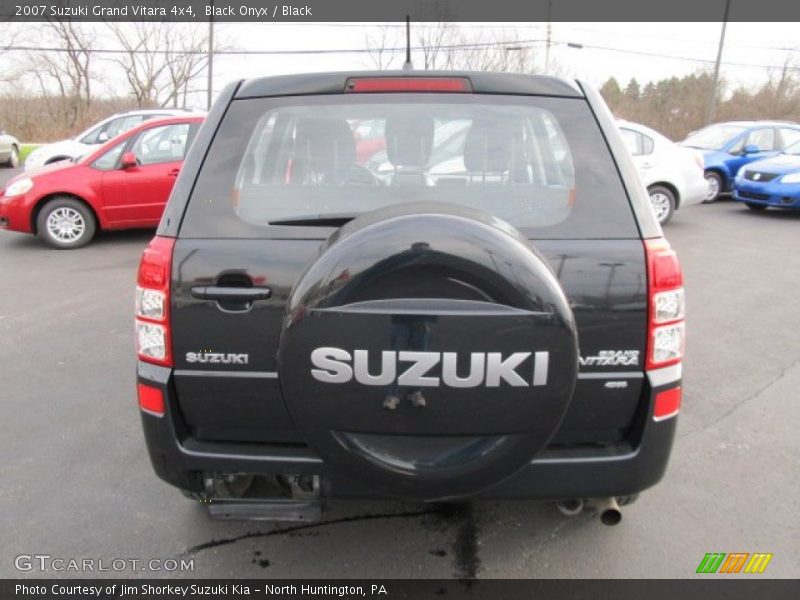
column 124, row 184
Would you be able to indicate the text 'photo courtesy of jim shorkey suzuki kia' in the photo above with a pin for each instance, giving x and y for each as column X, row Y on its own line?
column 474, row 300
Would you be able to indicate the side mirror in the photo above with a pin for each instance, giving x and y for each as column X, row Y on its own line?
column 751, row 149
column 129, row 160
column 102, row 137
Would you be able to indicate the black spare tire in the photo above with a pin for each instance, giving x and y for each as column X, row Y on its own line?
column 453, row 315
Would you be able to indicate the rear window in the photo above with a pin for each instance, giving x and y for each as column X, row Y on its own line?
column 278, row 164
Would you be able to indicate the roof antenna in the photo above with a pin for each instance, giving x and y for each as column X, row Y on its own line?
column 408, row 65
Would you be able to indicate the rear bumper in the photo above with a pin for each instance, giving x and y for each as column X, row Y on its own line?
column 695, row 191
column 558, row 472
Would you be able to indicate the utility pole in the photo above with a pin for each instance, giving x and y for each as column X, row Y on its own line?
column 711, row 108
column 210, row 86
column 549, row 39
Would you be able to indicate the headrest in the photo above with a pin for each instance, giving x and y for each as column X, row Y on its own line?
column 326, row 144
column 492, row 144
column 409, row 140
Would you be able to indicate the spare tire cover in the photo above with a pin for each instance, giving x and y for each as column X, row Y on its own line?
column 445, row 301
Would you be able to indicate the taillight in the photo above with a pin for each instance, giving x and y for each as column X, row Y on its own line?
column 408, row 84
column 666, row 310
column 152, row 303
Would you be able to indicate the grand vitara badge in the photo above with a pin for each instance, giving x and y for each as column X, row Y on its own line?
column 413, row 368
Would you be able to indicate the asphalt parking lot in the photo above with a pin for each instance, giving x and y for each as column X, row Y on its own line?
column 77, row 483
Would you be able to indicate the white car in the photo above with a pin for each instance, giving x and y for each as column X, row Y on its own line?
column 9, row 149
column 97, row 134
column 672, row 174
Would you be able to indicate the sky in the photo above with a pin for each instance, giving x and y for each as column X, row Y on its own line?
column 645, row 51
column 746, row 43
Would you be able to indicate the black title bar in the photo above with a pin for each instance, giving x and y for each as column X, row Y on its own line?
column 277, row 11
column 349, row 589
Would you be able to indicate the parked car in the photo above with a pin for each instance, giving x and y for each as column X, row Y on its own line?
column 9, row 149
column 771, row 182
column 672, row 174
column 727, row 147
column 97, row 134
column 123, row 184
column 309, row 329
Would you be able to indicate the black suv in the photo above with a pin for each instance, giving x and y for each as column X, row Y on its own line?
column 408, row 285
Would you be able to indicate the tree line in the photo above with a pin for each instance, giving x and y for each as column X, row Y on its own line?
column 53, row 86
column 676, row 106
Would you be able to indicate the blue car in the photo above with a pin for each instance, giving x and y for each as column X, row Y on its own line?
column 771, row 182
column 727, row 147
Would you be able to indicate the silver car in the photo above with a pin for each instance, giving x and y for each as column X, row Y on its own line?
column 9, row 150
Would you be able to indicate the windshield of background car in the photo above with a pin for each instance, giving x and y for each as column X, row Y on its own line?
column 714, row 137
column 541, row 164
column 108, row 160
column 794, row 149
column 112, row 128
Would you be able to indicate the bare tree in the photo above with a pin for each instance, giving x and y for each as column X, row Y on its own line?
column 10, row 71
column 186, row 63
column 445, row 45
column 435, row 43
column 68, row 70
column 160, row 60
column 381, row 47
column 493, row 50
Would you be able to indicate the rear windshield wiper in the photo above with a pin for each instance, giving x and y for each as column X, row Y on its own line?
column 327, row 220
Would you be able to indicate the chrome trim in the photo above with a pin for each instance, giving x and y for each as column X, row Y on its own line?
column 665, row 375
column 250, row 374
column 665, row 417
column 612, row 375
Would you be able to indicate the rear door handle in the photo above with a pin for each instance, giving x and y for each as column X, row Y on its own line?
column 174, row 173
column 231, row 294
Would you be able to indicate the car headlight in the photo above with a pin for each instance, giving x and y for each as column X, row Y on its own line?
column 791, row 178
column 19, row 187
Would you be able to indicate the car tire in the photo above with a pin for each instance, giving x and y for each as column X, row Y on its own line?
column 663, row 201
column 715, row 183
column 13, row 158
column 66, row 223
column 754, row 206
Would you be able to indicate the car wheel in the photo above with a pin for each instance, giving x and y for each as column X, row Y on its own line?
column 663, row 201
column 753, row 206
column 714, row 186
column 13, row 159
column 66, row 223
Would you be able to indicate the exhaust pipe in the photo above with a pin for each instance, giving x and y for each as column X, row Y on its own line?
column 570, row 508
column 608, row 509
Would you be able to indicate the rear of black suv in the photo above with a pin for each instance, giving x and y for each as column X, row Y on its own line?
column 408, row 285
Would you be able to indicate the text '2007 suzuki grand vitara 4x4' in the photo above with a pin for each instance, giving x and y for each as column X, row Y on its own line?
column 408, row 285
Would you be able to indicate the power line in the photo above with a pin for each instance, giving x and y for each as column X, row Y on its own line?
column 517, row 44
column 395, row 49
